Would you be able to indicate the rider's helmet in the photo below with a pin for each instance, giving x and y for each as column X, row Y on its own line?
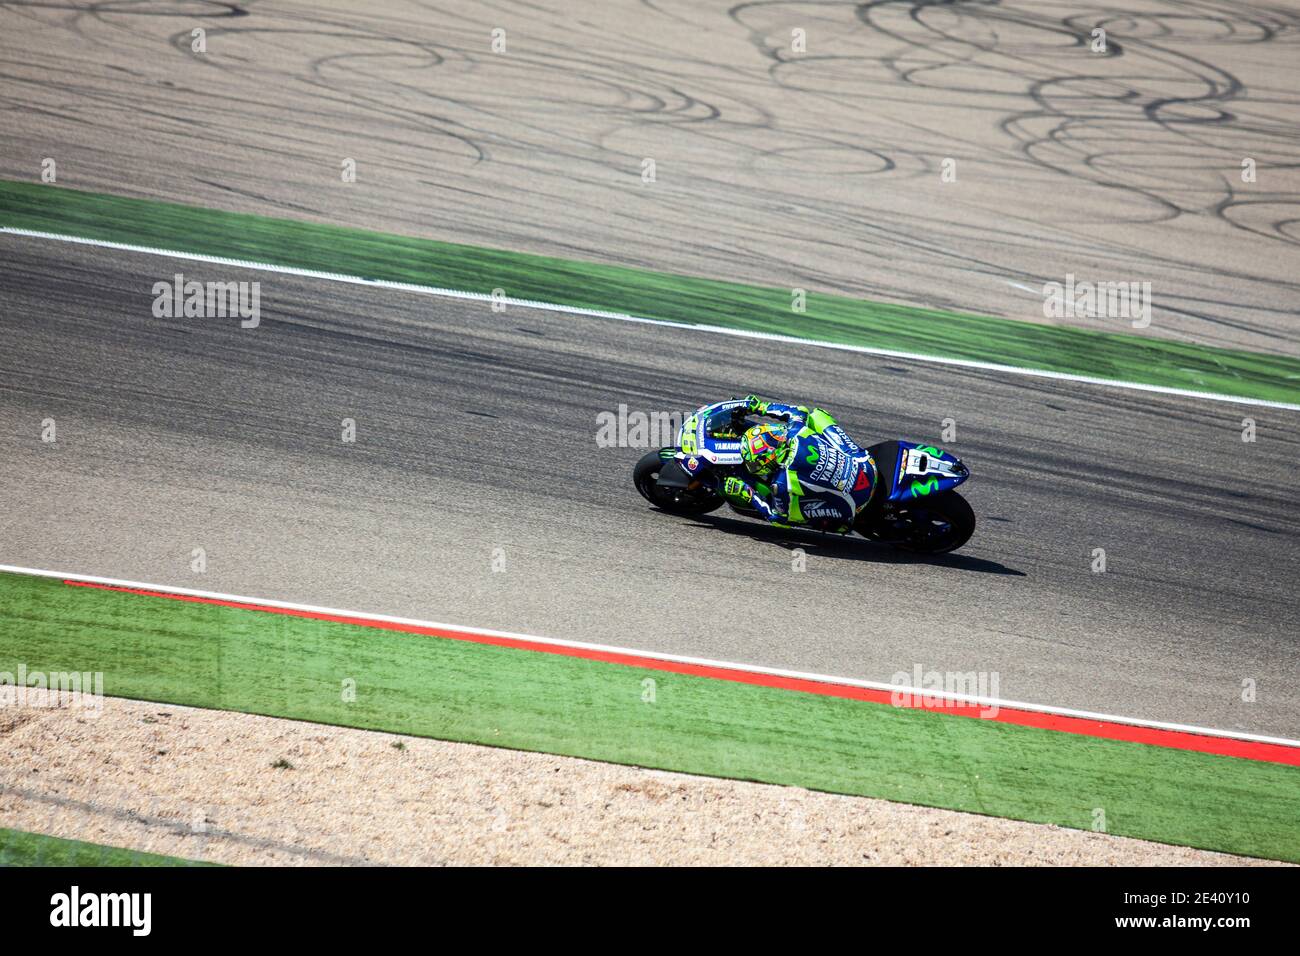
column 763, row 447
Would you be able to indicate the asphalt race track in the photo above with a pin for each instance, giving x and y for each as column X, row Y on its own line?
column 477, row 431
column 820, row 169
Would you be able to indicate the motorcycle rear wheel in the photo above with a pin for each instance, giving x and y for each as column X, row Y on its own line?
column 678, row 501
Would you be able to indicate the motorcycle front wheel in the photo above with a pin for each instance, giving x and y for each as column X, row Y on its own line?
column 925, row 525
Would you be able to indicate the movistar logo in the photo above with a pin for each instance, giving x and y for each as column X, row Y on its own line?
column 812, row 455
column 924, row 489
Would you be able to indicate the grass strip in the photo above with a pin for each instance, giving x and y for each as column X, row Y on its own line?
column 18, row 848
column 204, row 655
column 830, row 318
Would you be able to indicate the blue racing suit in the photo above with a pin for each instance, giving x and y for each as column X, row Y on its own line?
column 823, row 479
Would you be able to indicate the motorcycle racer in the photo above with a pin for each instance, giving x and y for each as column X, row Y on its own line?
column 807, row 470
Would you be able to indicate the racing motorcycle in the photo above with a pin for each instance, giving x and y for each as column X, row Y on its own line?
column 912, row 506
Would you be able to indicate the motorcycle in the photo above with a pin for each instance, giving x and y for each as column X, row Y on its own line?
column 912, row 507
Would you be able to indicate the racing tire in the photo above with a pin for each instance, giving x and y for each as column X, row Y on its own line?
column 675, row 501
column 931, row 525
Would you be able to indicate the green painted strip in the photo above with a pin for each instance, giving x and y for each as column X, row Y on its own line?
column 205, row 655
column 36, row 849
column 656, row 295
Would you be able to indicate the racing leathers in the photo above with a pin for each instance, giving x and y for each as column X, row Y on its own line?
column 822, row 480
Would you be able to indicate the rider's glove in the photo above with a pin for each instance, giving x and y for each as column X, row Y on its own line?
column 755, row 404
column 736, row 489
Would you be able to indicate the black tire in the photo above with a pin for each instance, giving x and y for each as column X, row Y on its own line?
column 679, row 502
column 932, row 525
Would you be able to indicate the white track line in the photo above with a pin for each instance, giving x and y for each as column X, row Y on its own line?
column 657, row 655
column 624, row 317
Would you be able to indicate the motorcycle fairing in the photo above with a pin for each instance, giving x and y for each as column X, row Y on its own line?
column 696, row 438
column 672, row 474
column 909, row 471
